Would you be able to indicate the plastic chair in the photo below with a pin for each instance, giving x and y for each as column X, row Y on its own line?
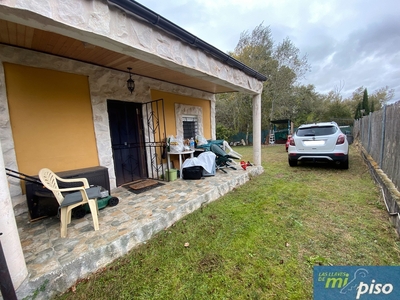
column 81, row 195
column 231, row 152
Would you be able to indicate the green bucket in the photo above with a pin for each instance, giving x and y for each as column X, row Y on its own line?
column 171, row 174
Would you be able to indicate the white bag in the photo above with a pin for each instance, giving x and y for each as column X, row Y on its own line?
column 201, row 140
column 175, row 144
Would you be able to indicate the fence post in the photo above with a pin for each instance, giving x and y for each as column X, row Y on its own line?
column 369, row 132
column 383, row 136
column 362, row 132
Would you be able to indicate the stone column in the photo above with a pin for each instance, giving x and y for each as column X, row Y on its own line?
column 257, row 129
column 10, row 241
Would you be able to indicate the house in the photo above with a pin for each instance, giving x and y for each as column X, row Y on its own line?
column 64, row 101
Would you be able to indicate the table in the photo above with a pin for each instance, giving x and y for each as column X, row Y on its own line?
column 180, row 156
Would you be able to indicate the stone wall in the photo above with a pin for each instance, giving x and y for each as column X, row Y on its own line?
column 104, row 84
column 104, row 25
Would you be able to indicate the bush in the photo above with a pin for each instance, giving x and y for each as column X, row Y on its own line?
column 223, row 133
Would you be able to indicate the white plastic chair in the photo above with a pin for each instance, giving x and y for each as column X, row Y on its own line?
column 82, row 195
column 231, row 152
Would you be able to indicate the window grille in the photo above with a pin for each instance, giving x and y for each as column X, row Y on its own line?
column 189, row 127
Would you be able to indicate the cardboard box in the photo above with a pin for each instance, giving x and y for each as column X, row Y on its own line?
column 175, row 162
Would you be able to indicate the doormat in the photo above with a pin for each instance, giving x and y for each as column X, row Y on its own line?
column 140, row 186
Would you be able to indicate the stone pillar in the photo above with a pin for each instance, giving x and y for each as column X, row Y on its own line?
column 10, row 239
column 257, row 129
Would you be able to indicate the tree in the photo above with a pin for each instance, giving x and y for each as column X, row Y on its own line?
column 372, row 106
column 282, row 96
column 335, row 108
column 283, row 66
column 357, row 114
column 307, row 106
column 223, row 133
column 381, row 96
column 365, row 104
column 375, row 101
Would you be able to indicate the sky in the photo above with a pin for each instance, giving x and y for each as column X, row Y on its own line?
column 348, row 43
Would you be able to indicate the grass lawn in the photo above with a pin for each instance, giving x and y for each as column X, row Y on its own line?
column 261, row 240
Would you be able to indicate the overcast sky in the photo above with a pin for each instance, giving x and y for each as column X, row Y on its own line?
column 349, row 43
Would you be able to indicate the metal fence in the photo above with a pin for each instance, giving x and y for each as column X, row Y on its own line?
column 242, row 135
column 379, row 133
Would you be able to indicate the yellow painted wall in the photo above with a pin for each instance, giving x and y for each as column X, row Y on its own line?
column 169, row 107
column 51, row 119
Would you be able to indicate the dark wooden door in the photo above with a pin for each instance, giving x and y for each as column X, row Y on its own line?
column 126, row 128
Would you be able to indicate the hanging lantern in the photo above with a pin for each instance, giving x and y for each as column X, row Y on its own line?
column 130, row 83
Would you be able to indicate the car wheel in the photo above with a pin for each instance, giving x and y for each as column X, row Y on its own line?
column 292, row 162
column 344, row 165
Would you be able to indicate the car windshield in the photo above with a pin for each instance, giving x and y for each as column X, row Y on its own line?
column 316, row 131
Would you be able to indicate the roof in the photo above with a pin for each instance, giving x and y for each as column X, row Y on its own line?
column 147, row 14
column 319, row 124
column 26, row 27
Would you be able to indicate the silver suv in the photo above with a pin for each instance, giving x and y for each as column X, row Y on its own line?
column 319, row 142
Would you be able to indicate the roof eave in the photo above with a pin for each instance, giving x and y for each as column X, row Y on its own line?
column 147, row 14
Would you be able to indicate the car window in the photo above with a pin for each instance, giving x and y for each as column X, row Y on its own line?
column 316, row 131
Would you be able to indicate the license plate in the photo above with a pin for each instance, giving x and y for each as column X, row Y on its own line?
column 313, row 143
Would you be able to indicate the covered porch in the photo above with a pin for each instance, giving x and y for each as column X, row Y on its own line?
column 54, row 264
column 94, row 43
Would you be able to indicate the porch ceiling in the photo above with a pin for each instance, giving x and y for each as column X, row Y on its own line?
column 18, row 35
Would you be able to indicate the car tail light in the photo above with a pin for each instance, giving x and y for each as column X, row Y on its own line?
column 291, row 142
column 340, row 140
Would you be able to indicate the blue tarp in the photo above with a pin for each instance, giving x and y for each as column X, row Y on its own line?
column 209, row 143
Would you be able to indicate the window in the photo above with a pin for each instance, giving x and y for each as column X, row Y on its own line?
column 190, row 117
column 189, row 126
column 316, row 131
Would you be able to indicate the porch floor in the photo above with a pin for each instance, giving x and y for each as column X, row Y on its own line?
column 54, row 263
